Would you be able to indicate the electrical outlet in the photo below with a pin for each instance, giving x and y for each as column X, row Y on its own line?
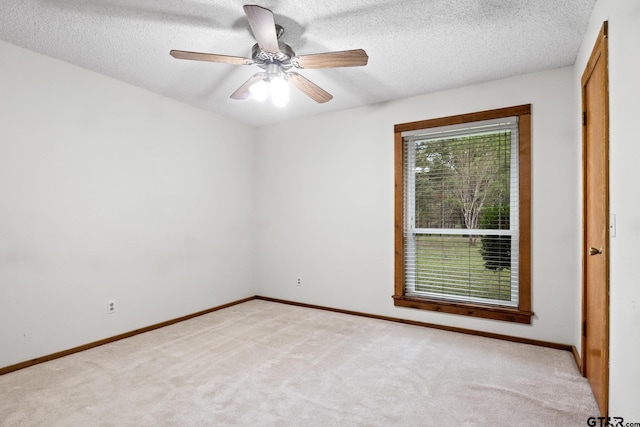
column 299, row 283
column 111, row 306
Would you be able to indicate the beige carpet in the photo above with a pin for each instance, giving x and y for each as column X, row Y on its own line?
column 269, row 364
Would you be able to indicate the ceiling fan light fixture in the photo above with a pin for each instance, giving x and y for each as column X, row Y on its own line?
column 277, row 58
column 260, row 90
column 279, row 91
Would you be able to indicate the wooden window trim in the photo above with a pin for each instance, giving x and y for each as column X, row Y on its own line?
column 521, row 314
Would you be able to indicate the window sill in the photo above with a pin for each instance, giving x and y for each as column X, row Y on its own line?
column 476, row 310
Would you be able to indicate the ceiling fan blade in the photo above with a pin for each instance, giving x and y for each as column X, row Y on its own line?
column 211, row 57
column 263, row 27
column 309, row 88
column 243, row 91
column 345, row 58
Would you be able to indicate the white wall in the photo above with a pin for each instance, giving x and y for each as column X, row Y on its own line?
column 325, row 204
column 111, row 192
column 624, row 110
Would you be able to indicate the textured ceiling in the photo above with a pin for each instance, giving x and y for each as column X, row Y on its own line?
column 414, row 46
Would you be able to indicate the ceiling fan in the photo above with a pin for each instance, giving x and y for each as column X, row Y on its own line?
column 276, row 59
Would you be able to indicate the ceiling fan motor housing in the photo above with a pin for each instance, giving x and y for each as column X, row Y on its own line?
column 282, row 57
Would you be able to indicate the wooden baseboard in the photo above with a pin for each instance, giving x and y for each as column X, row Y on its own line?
column 520, row 340
column 26, row 364
column 577, row 358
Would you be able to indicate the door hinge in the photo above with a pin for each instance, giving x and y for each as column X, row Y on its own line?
column 584, row 328
column 584, row 118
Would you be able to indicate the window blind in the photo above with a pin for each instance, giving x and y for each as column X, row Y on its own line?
column 461, row 212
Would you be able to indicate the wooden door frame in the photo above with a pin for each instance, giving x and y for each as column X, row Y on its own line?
column 600, row 51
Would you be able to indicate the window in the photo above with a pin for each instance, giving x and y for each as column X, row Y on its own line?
column 462, row 214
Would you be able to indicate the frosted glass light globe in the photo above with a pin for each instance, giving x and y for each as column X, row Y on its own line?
column 279, row 91
column 259, row 90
